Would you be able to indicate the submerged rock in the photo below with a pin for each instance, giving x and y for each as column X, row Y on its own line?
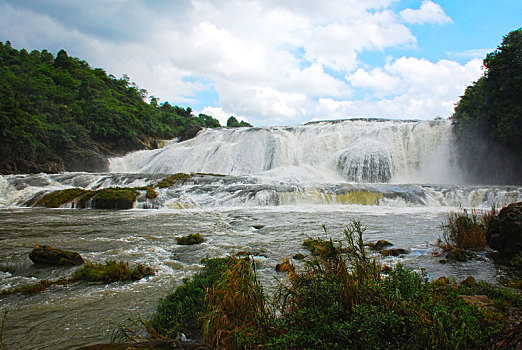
column 394, row 252
column 46, row 255
column 458, row 254
column 299, row 256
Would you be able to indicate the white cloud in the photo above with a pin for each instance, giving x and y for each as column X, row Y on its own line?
column 270, row 62
column 429, row 12
column 414, row 88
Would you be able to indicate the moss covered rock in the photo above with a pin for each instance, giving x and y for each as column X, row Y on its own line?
column 174, row 179
column 193, row 238
column 59, row 198
column 462, row 255
column 46, row 255
column 115, row 198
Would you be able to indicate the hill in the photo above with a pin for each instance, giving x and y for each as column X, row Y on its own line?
column 59, row 114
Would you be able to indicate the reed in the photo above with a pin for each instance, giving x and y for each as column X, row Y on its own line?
column 463, row 230
column 235, row 304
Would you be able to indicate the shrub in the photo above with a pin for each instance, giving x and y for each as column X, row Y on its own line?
column 181, row 311
column 193, row 238
column 462, row 230
column 111, row 271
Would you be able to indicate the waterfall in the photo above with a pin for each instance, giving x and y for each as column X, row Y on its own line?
column 333, row 152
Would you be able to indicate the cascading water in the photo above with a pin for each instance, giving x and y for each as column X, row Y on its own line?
column 349, row 150
column 376, row 162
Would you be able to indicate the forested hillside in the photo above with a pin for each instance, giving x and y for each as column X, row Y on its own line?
column 58, row 113
column 488, row 118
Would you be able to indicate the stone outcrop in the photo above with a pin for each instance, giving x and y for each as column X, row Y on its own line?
column 46, row 255
column 505, row 232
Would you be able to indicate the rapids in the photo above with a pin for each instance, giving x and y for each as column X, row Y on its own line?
column 281, row 185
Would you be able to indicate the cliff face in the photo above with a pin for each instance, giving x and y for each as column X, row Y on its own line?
column 59, row 114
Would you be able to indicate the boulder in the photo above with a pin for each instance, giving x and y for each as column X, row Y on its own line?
column 299, row 256
column 380, row 244
column 46, row 255
column 505, row 232
column 458, row 254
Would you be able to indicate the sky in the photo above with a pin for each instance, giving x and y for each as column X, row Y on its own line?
column 277, row 62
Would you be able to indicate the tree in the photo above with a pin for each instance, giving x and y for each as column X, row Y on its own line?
column 488, row 118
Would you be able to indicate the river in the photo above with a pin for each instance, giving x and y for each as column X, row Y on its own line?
column 282, row 185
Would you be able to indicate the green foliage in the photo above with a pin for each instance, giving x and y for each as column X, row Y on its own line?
column 235, row 305
column 488, row 118
column 232, row 122
column 193, row 238
column 57, row 112
column 463, row 230
column 339, row 301
column 111, row 271
column 181, row 311
column 4, row 319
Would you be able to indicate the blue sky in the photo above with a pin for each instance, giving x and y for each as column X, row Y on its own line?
column 275, row 62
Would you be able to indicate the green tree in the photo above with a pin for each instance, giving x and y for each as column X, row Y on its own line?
column 488, row 118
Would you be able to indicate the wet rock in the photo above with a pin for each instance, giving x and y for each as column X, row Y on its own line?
column 505, row 232
column 191, row 239
column 380, row 244
column 299, row 256
column 394, row 252
column 458, row 254
column 46, row 255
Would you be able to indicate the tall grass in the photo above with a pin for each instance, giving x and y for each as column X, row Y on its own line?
column 235, row 304
column 464, row 230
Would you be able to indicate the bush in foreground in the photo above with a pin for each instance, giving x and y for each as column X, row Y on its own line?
column 340, row 300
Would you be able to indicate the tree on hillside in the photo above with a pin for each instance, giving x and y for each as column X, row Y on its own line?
column 488, row 118
column 58, row 113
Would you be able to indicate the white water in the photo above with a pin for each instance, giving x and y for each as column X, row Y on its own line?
column 325, row 152
column 283, row 185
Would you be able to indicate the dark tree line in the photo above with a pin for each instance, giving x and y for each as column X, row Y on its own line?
column 488, row 118
column 57, row 113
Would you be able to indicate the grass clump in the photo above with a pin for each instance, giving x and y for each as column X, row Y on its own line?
column 463, row 230
column 111, row 271
column 174, row 179
column 193, row 238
